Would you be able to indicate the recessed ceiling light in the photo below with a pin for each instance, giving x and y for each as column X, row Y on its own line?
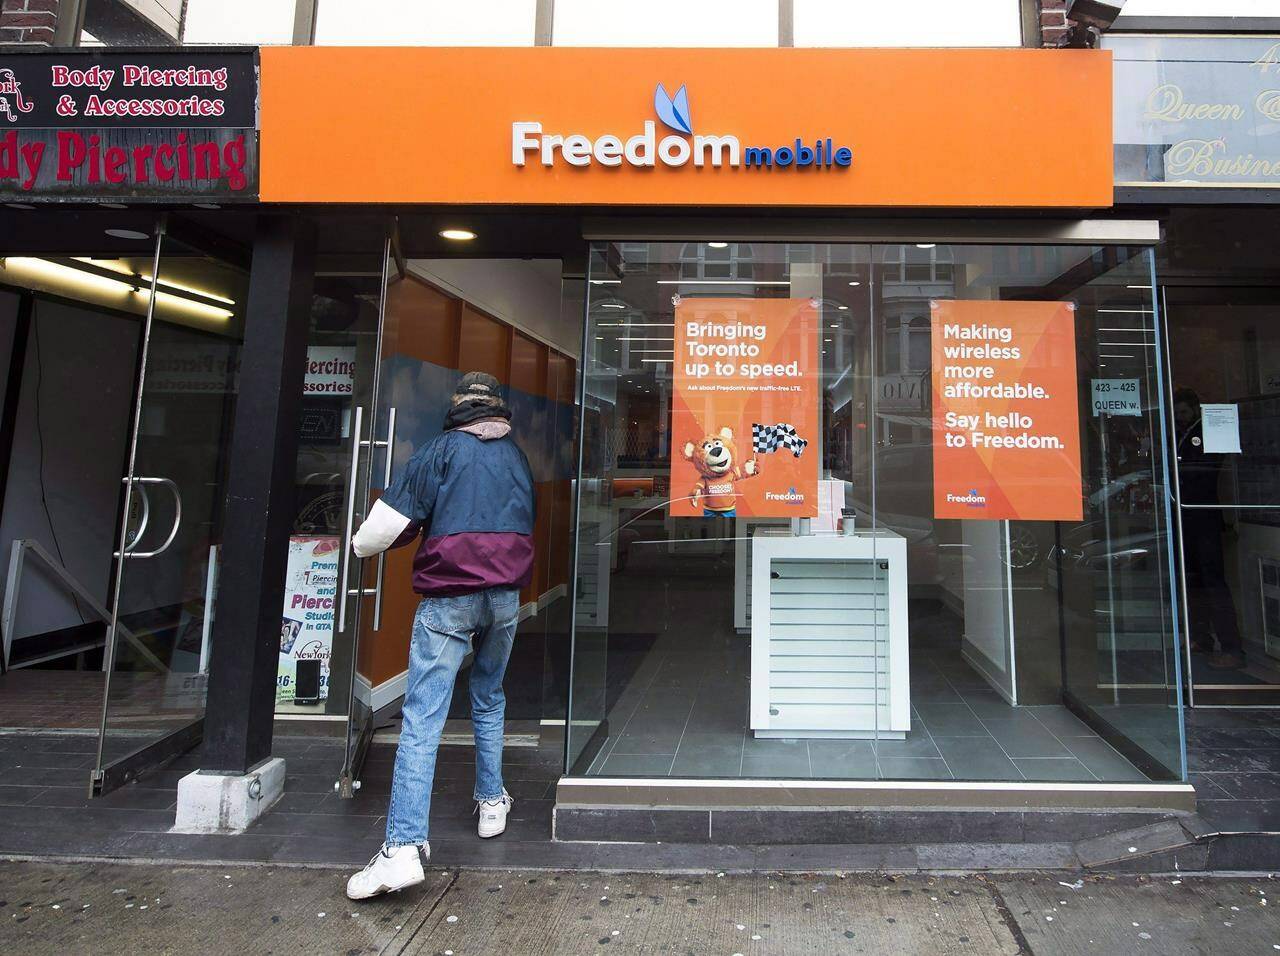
column 718, row 245
column 206, row 205
column 925, row 245
column 843, row 308
column 855, row 282
column 835, row 325
column 113, row 205
column 126, row 234
column 20, row 205
column 457, row 235
column 612, row 305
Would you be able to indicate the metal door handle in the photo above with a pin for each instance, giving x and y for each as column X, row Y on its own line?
column 142, row 525
column 352, row 481
column 146, row 513
column 389, row 444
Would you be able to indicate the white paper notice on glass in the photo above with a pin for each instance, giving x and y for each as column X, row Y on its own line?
column 1220, row 425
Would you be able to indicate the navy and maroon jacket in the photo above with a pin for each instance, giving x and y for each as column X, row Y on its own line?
column 469, row 494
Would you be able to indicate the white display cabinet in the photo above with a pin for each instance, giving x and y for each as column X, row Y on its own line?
column 743, row 536
column 829, row 635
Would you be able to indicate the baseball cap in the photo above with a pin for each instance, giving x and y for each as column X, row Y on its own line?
column 478, row 385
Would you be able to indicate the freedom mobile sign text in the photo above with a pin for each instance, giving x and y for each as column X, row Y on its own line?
column 128, row 125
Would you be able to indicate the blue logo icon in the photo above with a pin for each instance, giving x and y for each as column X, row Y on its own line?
column 673, row 110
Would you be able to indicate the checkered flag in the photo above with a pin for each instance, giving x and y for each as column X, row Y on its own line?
column 769, row 438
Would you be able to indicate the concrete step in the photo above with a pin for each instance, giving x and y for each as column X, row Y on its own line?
column 1133, row 844
column 850, row 827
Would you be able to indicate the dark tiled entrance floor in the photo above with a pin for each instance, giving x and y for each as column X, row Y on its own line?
column 47, row 813
column 46, row 809
column 1234, row 761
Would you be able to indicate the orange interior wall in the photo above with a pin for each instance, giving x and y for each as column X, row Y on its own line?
column 424, row 323
column 427, row 324
column 529, row 375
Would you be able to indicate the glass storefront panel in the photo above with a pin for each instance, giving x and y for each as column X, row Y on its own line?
column 166, row 585
column 872, row 512
column 316, row 658
column 1226, row 425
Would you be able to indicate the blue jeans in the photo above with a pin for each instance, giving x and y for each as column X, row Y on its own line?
column 443, row 630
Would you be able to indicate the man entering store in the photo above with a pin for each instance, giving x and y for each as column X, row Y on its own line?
column 469, row 495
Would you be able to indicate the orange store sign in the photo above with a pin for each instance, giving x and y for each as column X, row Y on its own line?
column 772, row 127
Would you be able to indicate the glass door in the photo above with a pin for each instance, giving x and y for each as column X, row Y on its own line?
column 371, row 431
column 173, row 495
column 1225, row 399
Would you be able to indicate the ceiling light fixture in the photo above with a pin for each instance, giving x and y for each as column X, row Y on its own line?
column 86, row 276
column 126, row 234
column 457, row 235
column 718, row 245
column 925, row 245
column 855, row 282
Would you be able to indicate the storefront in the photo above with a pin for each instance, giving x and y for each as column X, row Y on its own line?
column 1196, row 115
column 853, row 480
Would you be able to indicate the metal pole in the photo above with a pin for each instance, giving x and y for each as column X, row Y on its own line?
column 70, row 24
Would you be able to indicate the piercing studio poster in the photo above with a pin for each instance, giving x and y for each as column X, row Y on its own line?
column 306, row 628
column 744, row 418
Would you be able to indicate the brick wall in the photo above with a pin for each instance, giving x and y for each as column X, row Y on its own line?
column 28, row 21
column 1053, row 21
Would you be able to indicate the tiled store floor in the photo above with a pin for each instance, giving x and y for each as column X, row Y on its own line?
column 685, row 714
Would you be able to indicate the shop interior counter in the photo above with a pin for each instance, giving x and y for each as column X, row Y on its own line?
column 829, row 635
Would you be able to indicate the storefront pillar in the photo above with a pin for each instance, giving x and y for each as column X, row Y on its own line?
column 237, row 769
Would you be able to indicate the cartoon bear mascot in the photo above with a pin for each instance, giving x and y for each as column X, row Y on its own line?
column 717, row 462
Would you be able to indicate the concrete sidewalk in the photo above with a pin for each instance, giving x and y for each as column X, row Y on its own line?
column 103, row 908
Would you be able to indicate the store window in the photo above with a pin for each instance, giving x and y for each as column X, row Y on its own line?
column 872, row 512
column 917, row 23
column 237, row 21
column 666, row 23
column 426, row 23
column 1200, row 8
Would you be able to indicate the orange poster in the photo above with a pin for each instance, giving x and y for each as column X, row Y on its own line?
column 1006, row 419
column 744, row 417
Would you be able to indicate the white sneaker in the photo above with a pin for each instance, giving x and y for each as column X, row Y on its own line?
column 493, row 815
column 391, row 869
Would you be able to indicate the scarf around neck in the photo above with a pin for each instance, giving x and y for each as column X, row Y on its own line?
column 471, row 411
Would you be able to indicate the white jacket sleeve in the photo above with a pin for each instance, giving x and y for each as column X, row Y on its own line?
column 379, row 530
